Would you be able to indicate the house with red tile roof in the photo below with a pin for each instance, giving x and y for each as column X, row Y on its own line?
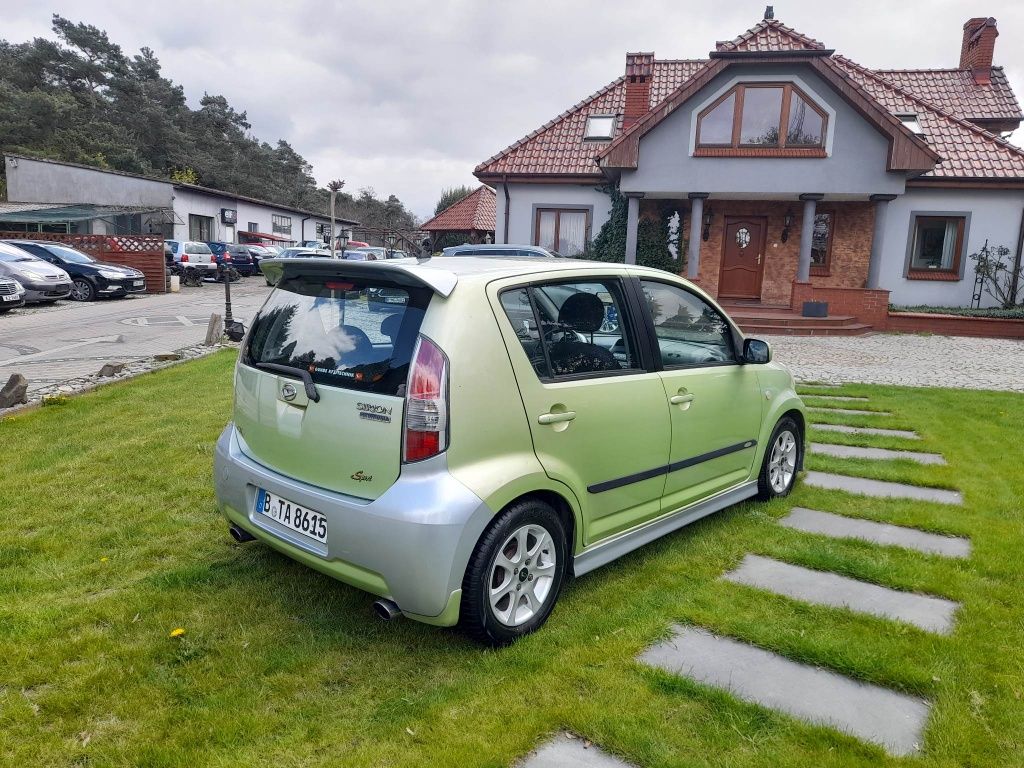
column 469, row 220
column 784, row 171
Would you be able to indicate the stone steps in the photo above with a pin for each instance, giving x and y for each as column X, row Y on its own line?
column 932, row 614
column 881, row 488
column 877, row 454
column 904, row 433
column 565, row 751
column 875, row 714
column 846, row 411
column 840, row 527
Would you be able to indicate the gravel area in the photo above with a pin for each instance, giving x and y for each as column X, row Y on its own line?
column 911, row 360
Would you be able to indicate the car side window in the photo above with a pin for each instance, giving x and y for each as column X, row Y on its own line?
column 690, row 332
column 573, row 328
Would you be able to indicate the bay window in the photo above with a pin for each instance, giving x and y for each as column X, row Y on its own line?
column 775, row 119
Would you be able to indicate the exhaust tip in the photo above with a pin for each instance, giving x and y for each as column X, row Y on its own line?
column 386, row 610
column 240, row 535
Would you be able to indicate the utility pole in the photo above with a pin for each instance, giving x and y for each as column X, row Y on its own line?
column 335, row 187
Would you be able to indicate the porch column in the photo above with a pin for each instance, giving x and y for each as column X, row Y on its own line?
column 632, row 224
column 696, row 228
column 810, row 201
column 877, row 238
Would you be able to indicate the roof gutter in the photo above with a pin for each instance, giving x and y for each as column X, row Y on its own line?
column 508, row 200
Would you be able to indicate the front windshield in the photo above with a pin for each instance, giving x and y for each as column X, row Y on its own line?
column 70, row 254
column 5, row 256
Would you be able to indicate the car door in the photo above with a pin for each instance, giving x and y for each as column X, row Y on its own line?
column 714, row 401
column 596, row 413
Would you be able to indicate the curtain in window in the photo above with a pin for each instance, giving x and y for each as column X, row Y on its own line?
column 949, row 243
column 546, row 230
column 572, row 233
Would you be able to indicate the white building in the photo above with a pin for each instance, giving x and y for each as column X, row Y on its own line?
column 53, row 196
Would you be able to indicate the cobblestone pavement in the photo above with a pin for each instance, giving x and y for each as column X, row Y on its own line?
column 71, row 340
column 910, row 360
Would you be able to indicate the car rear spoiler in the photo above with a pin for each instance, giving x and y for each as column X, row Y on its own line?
column 415, row 273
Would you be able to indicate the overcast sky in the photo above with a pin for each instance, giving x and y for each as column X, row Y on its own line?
column 407, row 97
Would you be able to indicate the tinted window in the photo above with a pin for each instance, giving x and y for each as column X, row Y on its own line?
column 324, row 325
column 582, row 327
column 690, row 331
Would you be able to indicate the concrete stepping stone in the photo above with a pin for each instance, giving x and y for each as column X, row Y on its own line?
column 848, row 411
column 567, row 752
column 881, row 488
column 838, row 398
column 881, row 454
column 816, row 385
column 840, row 527
column 932, row 614
column 869, row 712
column 904, row 433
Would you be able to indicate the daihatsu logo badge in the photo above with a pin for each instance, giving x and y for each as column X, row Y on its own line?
column 288, row 392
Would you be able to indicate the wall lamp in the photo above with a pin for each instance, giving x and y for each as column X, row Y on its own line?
column 787, row 222
column 706, row 219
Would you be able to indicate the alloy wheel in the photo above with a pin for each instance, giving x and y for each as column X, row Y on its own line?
column 522, row 575
column 81, row 290
column 782, row 462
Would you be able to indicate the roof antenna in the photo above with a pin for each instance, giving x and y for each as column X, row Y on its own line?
column 769, row 12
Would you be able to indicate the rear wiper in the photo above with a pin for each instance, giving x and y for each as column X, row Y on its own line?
column 307, row 380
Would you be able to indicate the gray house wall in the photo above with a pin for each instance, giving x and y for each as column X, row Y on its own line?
column 855, row 167
column 526, row 198
column 992, row 215
column 38, row 181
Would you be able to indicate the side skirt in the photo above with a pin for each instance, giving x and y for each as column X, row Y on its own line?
column 604, row 552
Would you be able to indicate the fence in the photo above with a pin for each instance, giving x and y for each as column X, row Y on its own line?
column 143, row 252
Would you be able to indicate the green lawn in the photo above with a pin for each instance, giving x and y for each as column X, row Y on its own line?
column 109, row 540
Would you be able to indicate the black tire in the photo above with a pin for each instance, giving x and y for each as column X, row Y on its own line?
column 5, row 310
column 769, row 485
column 82, row 290
column 477, row 617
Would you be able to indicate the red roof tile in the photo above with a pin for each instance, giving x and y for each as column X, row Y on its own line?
column 942, row 99
column 955, row 91
column 476, row 210
column 770, row 35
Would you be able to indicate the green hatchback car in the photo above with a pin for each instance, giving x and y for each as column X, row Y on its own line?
column 509, row 423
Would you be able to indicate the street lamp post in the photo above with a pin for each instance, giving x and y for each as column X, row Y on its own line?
column 343, row 239
column 335, row 187
column 390, row 239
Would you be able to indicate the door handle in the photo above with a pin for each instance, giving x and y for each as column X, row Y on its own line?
column 556, row 418
column 681, row 399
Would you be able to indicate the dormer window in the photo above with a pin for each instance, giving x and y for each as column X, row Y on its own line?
column 599, row 127
column 912, row 123
column 775, row 119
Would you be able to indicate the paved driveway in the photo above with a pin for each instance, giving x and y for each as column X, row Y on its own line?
column 49, row 345
column 909, row 360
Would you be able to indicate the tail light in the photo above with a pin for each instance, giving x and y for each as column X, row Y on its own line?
column 227, row 256
column 426, row 402
column 184, row 258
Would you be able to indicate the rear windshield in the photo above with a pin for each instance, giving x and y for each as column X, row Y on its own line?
column 197, row 248
column 341, row 331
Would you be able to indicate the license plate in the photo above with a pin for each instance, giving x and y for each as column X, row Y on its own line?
column 139, row 283
column 394, row 300
column 292, row 516
column 10, row 298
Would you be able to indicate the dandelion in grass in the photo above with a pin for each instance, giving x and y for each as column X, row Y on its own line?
column 177, row 632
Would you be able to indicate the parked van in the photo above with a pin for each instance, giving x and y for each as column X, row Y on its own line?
column 463, row 451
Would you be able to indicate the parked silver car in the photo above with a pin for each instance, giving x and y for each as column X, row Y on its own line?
column 488, row 249
column 12, row 294
column 43, row 282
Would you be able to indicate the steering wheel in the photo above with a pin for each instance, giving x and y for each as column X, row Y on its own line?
column 560, row 332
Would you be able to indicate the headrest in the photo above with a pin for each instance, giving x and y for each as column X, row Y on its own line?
column 583, row 312
column 391, row 325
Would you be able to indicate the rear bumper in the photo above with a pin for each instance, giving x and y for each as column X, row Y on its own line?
column 412, row 544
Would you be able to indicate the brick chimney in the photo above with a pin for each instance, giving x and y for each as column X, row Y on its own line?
column 638, row 87
column 977, row 48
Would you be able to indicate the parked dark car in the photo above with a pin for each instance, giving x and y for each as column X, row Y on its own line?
column 238, row 255
column 90, row 278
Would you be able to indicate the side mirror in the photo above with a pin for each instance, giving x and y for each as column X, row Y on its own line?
column 756, row 352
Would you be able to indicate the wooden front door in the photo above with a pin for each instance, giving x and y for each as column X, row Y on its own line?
column 742, row 257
